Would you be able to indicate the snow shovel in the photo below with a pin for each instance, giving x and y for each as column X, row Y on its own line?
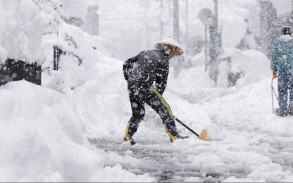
column 203, row 134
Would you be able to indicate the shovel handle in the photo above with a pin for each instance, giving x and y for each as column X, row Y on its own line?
column 186, row 127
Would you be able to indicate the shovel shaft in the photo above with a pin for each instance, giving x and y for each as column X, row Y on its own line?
column 187, row 127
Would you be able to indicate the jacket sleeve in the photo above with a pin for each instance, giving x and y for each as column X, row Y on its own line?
column 161, row 78
column 274, row 61
column 127, row 66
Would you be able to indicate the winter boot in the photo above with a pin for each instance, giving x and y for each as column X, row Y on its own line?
column 290, row 110
column 131, row 128
column 280, row 113
column 171, row 130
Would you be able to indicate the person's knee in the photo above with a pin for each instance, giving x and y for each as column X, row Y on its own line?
column 164, row 116
column 169, row 120
column 282, row 89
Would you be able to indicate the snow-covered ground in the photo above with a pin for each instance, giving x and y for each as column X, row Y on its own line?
column 42, row 139
column 247, row 142
column 71, row 128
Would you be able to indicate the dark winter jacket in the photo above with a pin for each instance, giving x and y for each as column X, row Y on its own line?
column 282, row 55
column 146, row 68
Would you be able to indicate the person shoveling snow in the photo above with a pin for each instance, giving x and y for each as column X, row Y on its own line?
column 141, row 72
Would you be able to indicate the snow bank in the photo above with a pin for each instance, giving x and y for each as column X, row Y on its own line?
column 76, row 66
column 73, row 39
column 43, row 139
column 21, row 30
column 238, row 116
column 101, row 100
column 235, row 16
column 254, row 64
column 233, row 30
column 249, row 141
column 255, row 132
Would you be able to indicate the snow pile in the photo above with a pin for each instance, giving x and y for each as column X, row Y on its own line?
column 74, row 40
column 81, row 52
column 245, row 146
column 253, row 64
column 248, row 141
column 43, row 131
column 21, row 30
column 233, row 30
column 102, row 100
column 236, row 17
column 257, row 135
column 43, row 139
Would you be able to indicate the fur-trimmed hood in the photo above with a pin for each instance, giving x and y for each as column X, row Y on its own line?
column 170, row 42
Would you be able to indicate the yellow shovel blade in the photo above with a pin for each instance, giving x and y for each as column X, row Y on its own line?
column 203, row 135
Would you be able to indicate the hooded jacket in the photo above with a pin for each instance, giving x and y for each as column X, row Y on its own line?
column 282, row 54
column 146, row 68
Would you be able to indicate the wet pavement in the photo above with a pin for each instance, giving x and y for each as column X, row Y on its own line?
column 165, row 164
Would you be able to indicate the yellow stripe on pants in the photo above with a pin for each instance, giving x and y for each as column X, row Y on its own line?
column 165, row 103
column 126, row 131
column 172, row 137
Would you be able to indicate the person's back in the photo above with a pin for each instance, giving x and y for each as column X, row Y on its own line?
column 283, row 53
column 146, row 67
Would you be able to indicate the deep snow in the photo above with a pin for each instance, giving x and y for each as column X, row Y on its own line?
column 43, row 139
column 45, row 129
column 247, row 142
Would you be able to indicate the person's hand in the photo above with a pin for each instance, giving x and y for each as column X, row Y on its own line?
column 275, row 75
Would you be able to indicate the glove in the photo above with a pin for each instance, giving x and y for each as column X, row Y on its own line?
column 275, row 75
column 126, row 77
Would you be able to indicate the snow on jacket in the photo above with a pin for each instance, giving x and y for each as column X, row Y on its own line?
column 146, row 68
column 282, row 55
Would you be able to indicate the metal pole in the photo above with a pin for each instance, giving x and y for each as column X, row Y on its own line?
column 217, row 44
column 217, row 28
column 216, row 12
column 176, row 20
column 146, row 23
column 187, row 25
column 186, row 15
column 161, row 19
column 206, row 48
column 291, row 6
column 291, row 18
